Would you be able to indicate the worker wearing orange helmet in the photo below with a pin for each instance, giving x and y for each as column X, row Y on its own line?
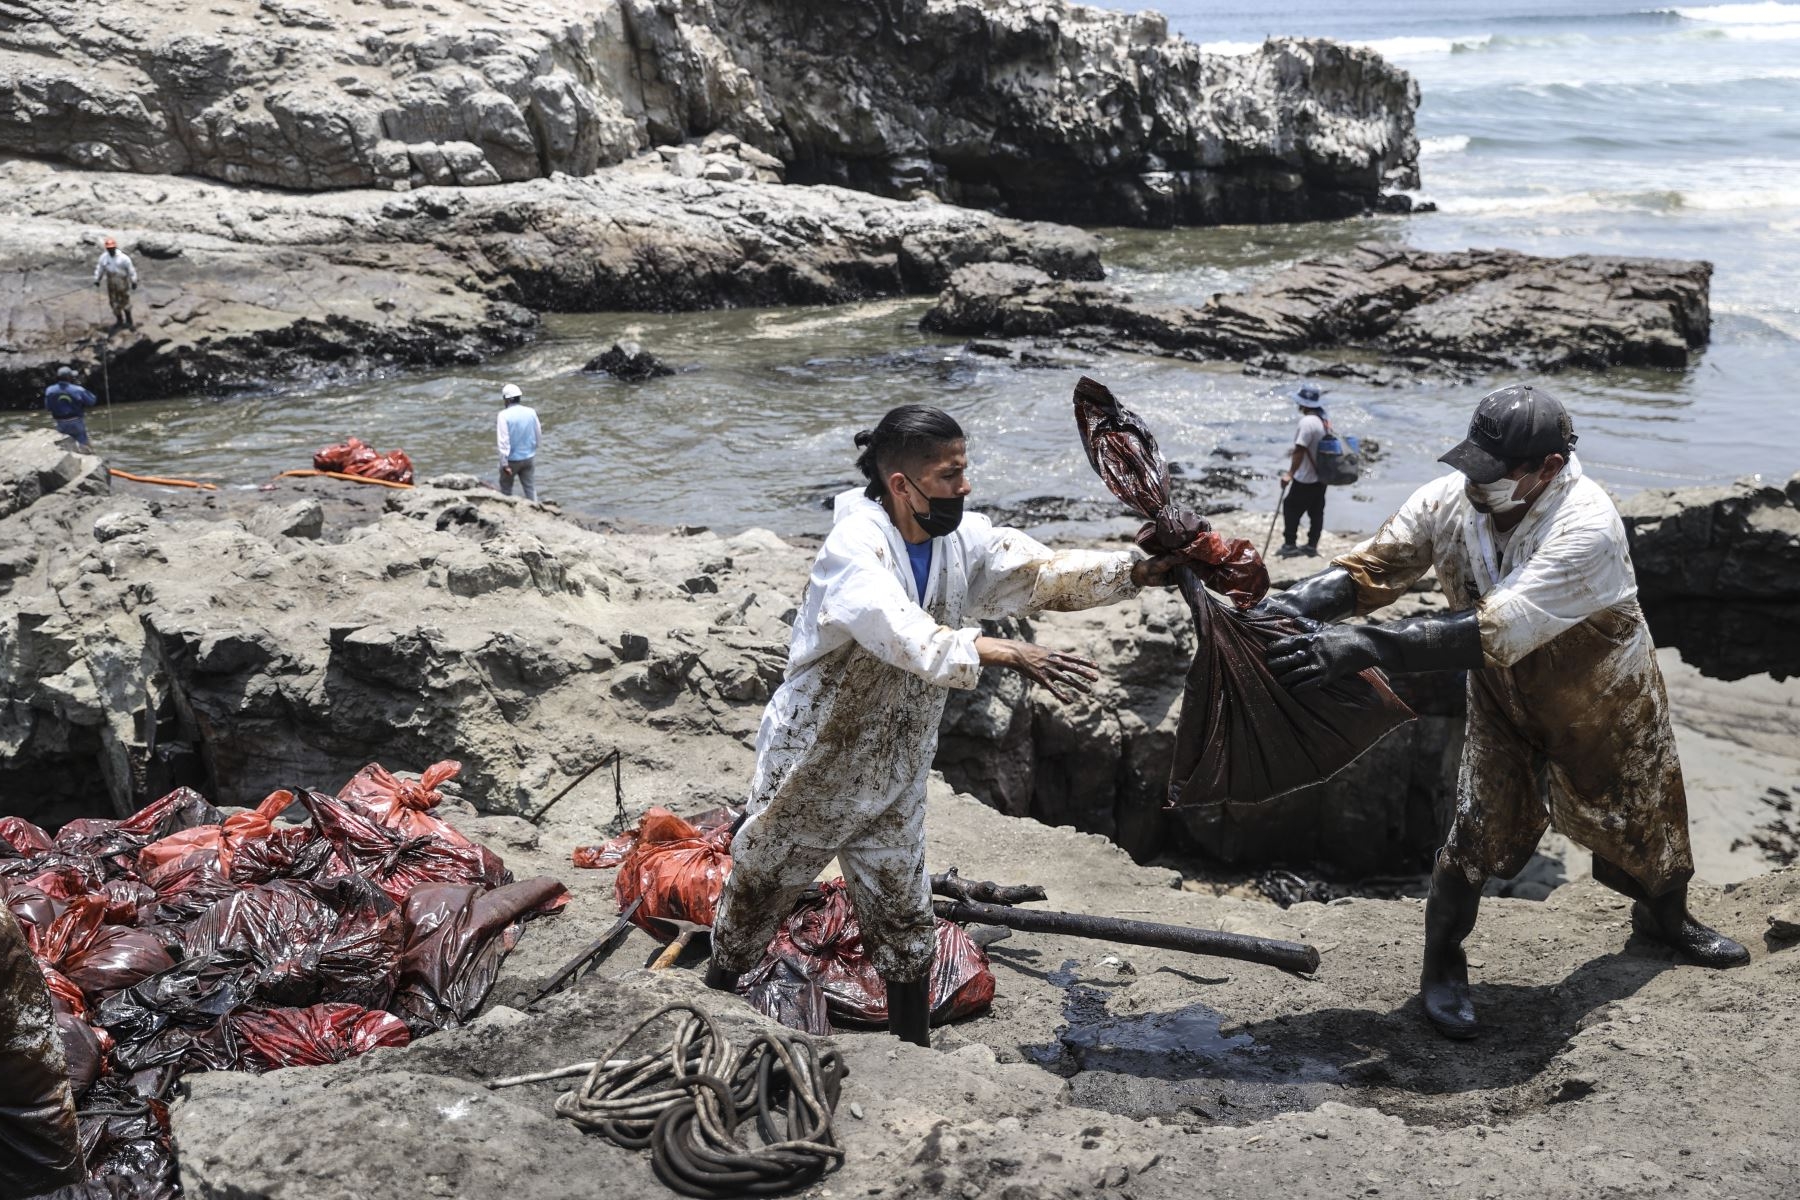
column 121, row 280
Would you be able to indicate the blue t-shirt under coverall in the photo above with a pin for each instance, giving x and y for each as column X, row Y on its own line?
column 921, row 564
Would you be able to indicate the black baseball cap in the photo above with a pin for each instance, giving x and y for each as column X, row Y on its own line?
column 1512, row 424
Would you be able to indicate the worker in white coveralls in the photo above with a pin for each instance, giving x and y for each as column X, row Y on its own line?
column 1568, row 720
column 886, row 629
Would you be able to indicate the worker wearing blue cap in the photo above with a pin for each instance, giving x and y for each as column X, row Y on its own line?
column 1305, row 490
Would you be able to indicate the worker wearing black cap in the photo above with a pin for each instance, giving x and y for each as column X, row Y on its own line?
column 1568, row 720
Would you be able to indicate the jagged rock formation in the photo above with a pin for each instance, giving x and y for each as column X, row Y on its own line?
column 1469, row 310
column 244, row 288
column 1718, row 573
column 1049, row 109
column 144, row 646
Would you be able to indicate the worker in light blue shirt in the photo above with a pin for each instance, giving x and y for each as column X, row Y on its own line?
column 517, row 435
column 67, row 403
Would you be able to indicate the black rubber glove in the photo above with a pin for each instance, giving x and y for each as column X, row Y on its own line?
column 1328, row 596
column 1436, row 643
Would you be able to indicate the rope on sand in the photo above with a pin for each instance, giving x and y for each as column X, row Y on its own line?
column 309, row 471
column 158, row 479
column 686, row 1101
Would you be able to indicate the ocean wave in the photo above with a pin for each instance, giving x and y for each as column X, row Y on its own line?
column 1767, row 13
column 1654, row 200
column 1234, row 49
column 1454, row 143
column 1422, row 47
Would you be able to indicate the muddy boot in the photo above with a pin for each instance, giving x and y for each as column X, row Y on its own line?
column 719, row 979
column 1289, row 550
column 909, row 1010
column 1666, row 919
column 1444, row 981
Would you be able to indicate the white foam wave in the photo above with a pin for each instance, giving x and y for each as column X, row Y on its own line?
column 1651, row 200
column 1454, row 143
column 1766, row 13
column 1424, row 47
column 1763, row 33
column 1235, row 49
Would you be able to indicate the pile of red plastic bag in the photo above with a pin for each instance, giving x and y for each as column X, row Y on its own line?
column 815, row 974
column 357, row 457
column 180, row 939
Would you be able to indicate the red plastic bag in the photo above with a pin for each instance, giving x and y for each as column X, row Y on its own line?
column 290, row 852
column 394, row 861
column 1243, row 737
column 402, row 804
column 23, row 838
column 99, row 959
column 298, row 943
column 224, row 837
column 456, row 937
column 1124, row 454
column 677, row 868
column 356, row 457
column 314, row 1036
column 816, row 973
column 612, row 852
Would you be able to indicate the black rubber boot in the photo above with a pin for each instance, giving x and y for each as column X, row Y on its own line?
column 909, row 1010
column 719, row 979
column 1444, row 980
column 1288, row 550
column 1666, row 919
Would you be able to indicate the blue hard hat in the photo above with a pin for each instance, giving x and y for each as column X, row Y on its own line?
column 1308, row 395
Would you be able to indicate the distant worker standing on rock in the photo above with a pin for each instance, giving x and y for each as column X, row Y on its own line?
column 68, row 402
column 1564, row 694
column 887, row 627
column 121, row 279
column 1306, row 491
column 517, row 434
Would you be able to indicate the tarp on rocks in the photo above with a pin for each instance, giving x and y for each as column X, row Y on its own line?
column 181, row 939
column 1242, row 737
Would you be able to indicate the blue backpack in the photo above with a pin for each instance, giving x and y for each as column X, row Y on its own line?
column 1338, row 460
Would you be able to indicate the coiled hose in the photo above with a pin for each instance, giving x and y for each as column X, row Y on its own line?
column 686, row 1101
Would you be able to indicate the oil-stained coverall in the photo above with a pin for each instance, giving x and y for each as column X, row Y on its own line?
column 847, row 741
column 1570, row 693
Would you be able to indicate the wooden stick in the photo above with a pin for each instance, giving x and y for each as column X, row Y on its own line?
column 1289, row 956
column 984, row 891
column 673, row 950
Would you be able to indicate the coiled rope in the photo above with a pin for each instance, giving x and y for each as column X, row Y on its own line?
column 686, row 1101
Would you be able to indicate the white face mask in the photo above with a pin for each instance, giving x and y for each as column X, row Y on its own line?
column 1494, row 498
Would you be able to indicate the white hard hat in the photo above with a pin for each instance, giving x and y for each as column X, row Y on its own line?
column 511, row 392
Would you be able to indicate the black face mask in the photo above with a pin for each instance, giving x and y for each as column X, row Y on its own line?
column 945, row 515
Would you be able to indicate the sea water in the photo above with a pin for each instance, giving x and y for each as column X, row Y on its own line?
column 1549, row 127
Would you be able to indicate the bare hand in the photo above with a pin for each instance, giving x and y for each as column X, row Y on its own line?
column 505, row 472
column 1286, row 478
column 1158, row 571
column 1064, row 675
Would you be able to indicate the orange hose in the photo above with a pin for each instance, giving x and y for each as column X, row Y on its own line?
column 309, row 471
column 186, row 483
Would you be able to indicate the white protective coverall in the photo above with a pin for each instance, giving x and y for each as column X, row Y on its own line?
column 847, row 741
column 1570, row 702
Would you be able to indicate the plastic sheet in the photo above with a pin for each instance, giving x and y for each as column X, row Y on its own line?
column 1242, row 736
column 816, row 973
column 314, row 1036
column 356, row 457
column 456, row 936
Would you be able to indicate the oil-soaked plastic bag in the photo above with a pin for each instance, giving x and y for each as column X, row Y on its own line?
column 404, row 804
column 296, row 942
column 678, row 869
column 816, row 974
column 395, row 861
column 224, row 837
column 98, row 958
column 314, row 1036
column 19, row 838
column 125, row 1139
column 39, row 1149
column 612, row 852
column 354, row 456
column 1242, row 737
column 456, row 937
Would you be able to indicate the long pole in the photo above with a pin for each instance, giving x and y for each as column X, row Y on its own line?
column 106, row 382
column 1289, row 956
column 1275, row 516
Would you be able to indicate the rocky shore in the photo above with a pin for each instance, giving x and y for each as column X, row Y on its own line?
column 243, row 640
column 1045, row 109
column 1383, row 313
